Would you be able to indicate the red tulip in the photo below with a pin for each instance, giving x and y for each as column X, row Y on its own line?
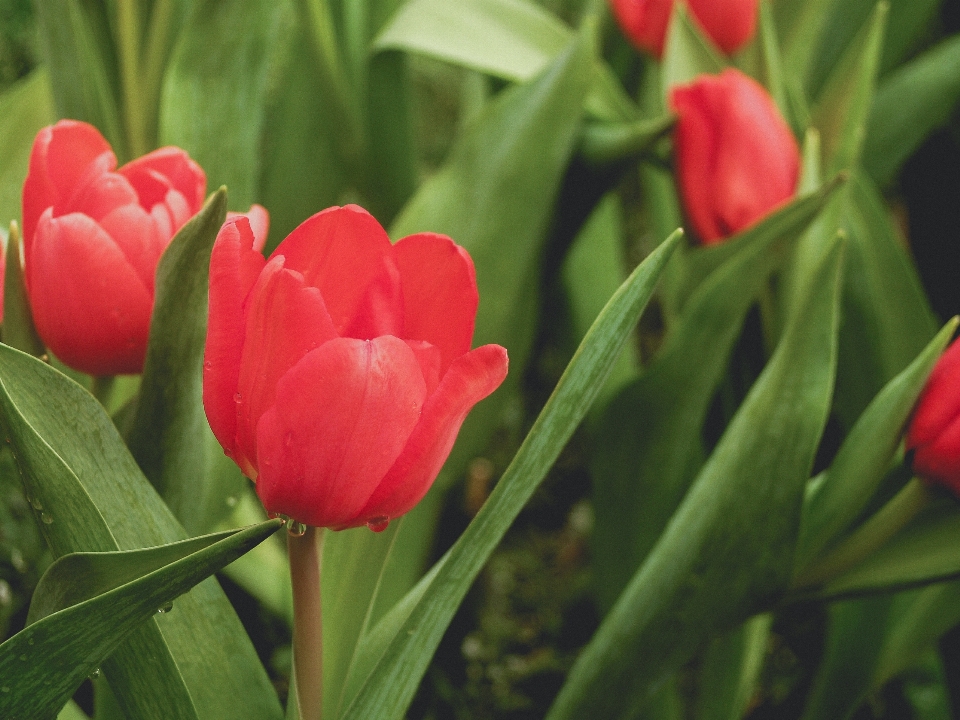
column 934, row 431
column 338, row 372
column 92, row 239
column 729, row 23
column 736, row 159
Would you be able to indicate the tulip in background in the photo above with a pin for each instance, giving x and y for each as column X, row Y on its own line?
column 729, row 23
column 934, row 432
column 337, row 373
column 92, row 238
column 736, row 159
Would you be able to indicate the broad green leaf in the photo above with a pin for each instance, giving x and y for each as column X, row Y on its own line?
column 169, row 435
column 913, row 101
column 687, row 53
column 887, row 317
column 772, row 77
column 801, row 23
column 413, row 635
column 80, row 57
column 25, row 108
column 90, row 496
column 86, row 604
column 18, row 329
column 648, row 441
column 214, row 94
column 72, row 711
column 731, row 669
column 865, row 456
column 843, row 106
column 727, row 551
column 495, row 196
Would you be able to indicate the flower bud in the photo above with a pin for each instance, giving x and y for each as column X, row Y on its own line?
column 337, row 373
column 729, row 23
column 933, row 435
column 92, row 238
column 735, row 157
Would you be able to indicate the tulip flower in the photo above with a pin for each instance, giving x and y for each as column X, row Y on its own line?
column 92, row 238
column 337, row 373
column 729, row 23
column 735, row 157
column 933, row 435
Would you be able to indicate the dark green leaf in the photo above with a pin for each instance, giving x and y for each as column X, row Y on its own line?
column 90, row 496
column 86, row 604
column 731, row 670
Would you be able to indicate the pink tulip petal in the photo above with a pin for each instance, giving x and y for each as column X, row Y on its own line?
column 342, row 416
column 179, row 171
column 89, row 305
column 380, row 310
column 99, row 197
column 339, row 251
column 644, row 22
column 430, row 360
column 284, row 321
column 439, row 293
column 136, row 235
column 470, row 378
column 259, row 222
column 939, row 460
column 939, row 403
column 730, row 24
column 234, row 268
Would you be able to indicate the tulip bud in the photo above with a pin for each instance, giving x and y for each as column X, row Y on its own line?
column 92, row 238
column 337, row 373
column 729, row 23
column 933, row 435
column 735, row 157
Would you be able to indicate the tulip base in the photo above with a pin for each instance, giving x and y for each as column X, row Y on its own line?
column 305, row 551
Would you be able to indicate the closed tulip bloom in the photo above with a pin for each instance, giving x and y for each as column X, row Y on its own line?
column 934, row 431
column 92, row 238
column 729, row 23
column 735, row 158
column 337, row 373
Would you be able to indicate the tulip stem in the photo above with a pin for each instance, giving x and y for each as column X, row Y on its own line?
column 869, row 537
column 102, row 388
column 305, row 553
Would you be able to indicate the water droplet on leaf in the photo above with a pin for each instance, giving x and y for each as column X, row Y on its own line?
column 95, row 675
column 165, row 609
column 47, row 518
column 231, row 501
column 378, row 524
column 297, row 529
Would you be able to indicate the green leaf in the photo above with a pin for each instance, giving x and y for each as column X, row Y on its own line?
column 87, row 603
column 169, row 435
column 80, row 57
column 215, row 90
column 495, row 196
column 731, row 669
column 90, row 496
column 18, row 329
column 687, row 53
column 772, row 76
column 414, row 634
column 843, row 106
column 913, row 101
column 727, row 551
column 648, row 442
column 605, row 142
column 25, row 108
column 865, row 456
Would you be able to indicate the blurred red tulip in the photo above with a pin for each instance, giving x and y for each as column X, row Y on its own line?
column 934, row 431
column 729, row 23
column 92, row 239
column 736, row 159
column 338, row 372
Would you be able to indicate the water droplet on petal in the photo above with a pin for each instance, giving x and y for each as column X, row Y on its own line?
column 46, row 517
column 297, row 529
column 378, row 524
column 237, row 398
column 95, row 674
column 207, row 365
column 288, row 439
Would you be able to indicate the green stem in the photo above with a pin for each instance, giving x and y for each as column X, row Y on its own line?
column 305, row 553
column 869, row 537
column 128, row 46
column 102, row 388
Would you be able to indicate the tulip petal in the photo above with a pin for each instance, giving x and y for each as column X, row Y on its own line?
column 234, row 268
column 439, row 293
column 470, row 379
column 178, row 171
column 342, row 416
column 939, row 403
column 99, row 197
column 89, row 305
column 339, row 251
column 380, row 310
column 259, row 222
column 285, row 319
column 730, row 24
column 939, row 460
column 139, row 240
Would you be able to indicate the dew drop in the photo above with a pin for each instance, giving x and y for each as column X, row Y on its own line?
column 23, row 657
column 46, row 518
column 35, row 503
column 207, row 365
column 165, row 609
column 45, row 358
column 378, row 524
column 288, row 439
column 297, row 529
column 30, row 641
column 95, row 675
column 237, row 398
column 4, row 689
column 231, row 501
